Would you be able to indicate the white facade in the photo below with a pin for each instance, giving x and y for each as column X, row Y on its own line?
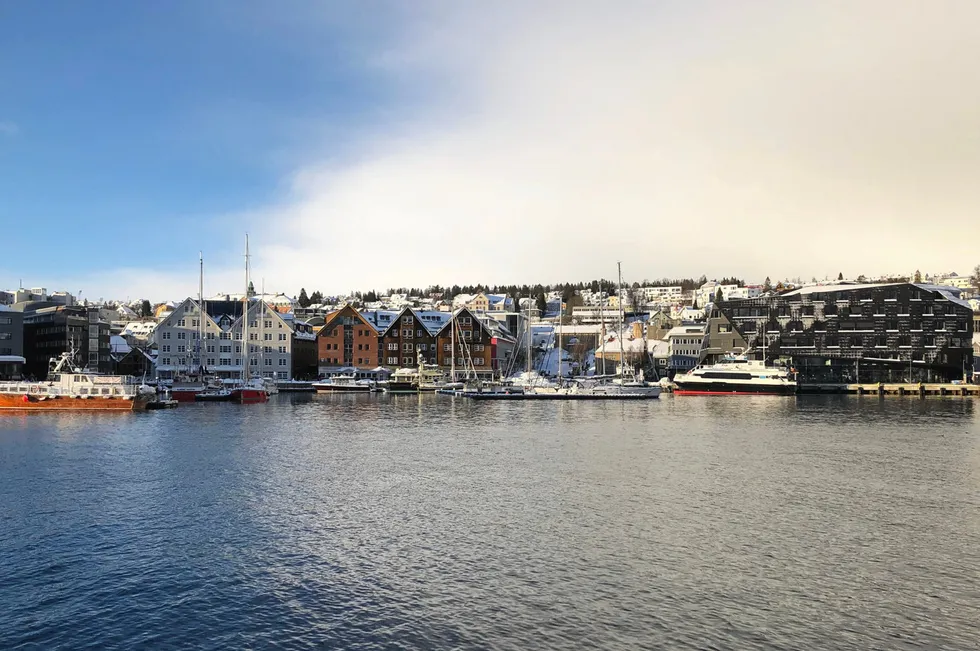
column 660, row 294
column 684, row 344
column 270, row 342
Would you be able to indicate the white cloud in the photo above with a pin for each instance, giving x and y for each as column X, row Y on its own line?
column 756, row 138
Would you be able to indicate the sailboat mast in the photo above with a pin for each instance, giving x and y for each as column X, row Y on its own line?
column 602, row 329
column 561, row 304
column 200, row 309
column 622, row 324
column 452, row 335
column 527, row 334
column 246, row 370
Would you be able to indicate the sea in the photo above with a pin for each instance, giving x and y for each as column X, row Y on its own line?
column 431, row 522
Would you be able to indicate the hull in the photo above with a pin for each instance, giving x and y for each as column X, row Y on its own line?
column 557, row 396
column 10, row 402
column 249, row 396
column 732, row 389
column 186, row 394
column 402, row 387
column 213, row 397
column 339, row 388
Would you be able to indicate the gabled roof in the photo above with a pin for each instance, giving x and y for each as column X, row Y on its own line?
column 333, row 317
column 463, row 311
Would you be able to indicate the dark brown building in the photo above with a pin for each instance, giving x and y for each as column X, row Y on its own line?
column 412, row 335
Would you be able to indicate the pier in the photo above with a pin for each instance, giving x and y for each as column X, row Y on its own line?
column 896, row 389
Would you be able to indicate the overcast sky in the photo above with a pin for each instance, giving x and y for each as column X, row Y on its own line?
column 543, row 141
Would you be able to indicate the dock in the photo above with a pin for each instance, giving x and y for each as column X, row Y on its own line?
column 896, row 389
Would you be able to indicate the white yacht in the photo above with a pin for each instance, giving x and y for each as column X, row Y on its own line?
column 736, row 375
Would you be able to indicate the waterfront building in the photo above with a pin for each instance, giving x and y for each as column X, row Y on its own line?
column 273, row 338
column 472, row 341
column 894, row 332
column 52, row 330
column 412, row 335
column 684, row 345
column 11, row 344
column 722, row 338
column 347, row 340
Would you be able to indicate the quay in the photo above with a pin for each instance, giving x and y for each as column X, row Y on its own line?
column 895, row 389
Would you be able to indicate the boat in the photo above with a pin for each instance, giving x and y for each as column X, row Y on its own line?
column 213, row 391
column 736, row 375
column 344, row 384
column 250, row 392
column 295, row 386
column 403, row 380
column 68, row 388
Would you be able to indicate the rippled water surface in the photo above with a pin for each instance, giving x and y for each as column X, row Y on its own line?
column 362, row 522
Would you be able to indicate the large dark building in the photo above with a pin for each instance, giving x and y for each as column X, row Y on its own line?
column 832, row 334
column 50, row 331
column 11, row 343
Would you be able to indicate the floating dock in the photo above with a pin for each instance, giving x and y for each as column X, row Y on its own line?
column 893, row 389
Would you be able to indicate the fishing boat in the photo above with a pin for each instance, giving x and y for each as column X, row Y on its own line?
column 68, row 388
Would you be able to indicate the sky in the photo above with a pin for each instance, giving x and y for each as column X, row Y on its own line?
column 385, row 144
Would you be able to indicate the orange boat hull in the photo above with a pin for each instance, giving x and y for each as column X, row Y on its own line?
column 13, row 402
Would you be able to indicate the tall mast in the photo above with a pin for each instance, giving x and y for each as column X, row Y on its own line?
column 200, row 309
column 602, row 329
column 246, row 369
column 561, row 304
column 527, row 334
column 622, row 324
column 452, row 335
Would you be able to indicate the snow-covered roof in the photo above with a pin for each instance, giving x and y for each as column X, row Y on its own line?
column 685, row 331
column 118, row 345
column 946, row 291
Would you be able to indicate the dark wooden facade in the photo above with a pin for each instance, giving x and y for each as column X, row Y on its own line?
column 406, row 340
column 473, row 342
column 871, row 333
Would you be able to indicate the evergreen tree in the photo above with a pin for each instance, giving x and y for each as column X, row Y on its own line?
column 145, row 308
column 316, row 298
column 918, row 277
column 718, row 296
column 251, row 289
column 840, row 276
column 541, row 302
column 303, row 300
column 975, row 277
column 767, row 286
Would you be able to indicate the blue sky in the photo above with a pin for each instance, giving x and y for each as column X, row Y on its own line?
column 378, row 144
column 120, row 116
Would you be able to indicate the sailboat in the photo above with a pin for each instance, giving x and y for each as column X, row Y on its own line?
column 250, row 390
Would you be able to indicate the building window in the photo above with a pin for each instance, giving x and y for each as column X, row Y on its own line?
column 407, row 347
column 180, row 323
column 407, row 334
column 282, row 349
column 166, row 335
column 418, row 333
column 446, row 348
column 282, row 336
column 392, row 360
column 268, row 362
column 407, row 361
column 282, row 362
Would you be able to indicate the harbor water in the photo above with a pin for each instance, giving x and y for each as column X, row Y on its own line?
column 430, row 522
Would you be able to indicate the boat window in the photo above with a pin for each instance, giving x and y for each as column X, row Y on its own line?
column 722, row 375
column 54, row 378
column 83, row 391
column 105, row 391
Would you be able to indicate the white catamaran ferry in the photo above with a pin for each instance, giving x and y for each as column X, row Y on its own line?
column 736, row 375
